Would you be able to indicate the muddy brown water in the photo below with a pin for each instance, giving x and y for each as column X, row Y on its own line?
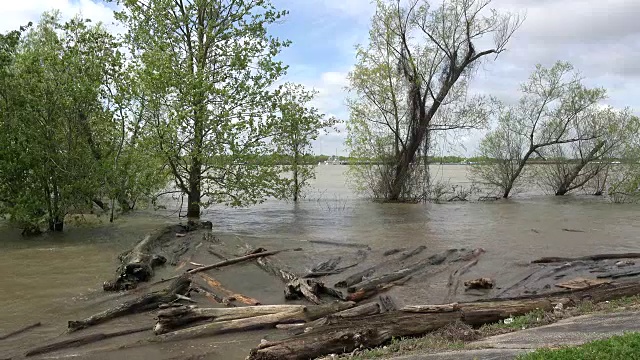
column 57, row 277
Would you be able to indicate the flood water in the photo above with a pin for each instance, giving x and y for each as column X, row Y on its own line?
column 47, row 278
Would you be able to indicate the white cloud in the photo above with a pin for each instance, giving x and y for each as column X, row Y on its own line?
column 17, row 13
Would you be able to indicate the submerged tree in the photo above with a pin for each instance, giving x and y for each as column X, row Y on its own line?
column 56, row 130
column 553, row 104
column 299, row 125
column 211, row 65
column 574, row 164
column 412, row 79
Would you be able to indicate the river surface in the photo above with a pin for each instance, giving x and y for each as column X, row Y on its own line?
column 45, row 278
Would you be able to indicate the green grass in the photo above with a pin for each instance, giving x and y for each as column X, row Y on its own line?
column 535, row 318
column 622, row 347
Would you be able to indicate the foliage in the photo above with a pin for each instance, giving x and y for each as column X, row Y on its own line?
column 555, row 109
column 411, row 79
column 56, row 127
column 298, row 126
column 626, row 346
column 211, row 67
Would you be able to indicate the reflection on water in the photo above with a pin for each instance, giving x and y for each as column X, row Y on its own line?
column 42, row 277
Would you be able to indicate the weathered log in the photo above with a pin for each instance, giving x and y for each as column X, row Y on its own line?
column 244, row 324
column 481, row 313
column 20, row 331
column 481, row 283
column 84, row 340
column 361, row 275
column 144, row 303
column 370, row 291
column 229, row 262
column 138, row 263
column 215, row 284
column 367, row 309
column 306, row 288
column 454, row 278
column 341, row 244
column 318, row 311
column 547, row 260
column 295, row 286
column 342, row 336
column 620, row 274
column 365, row 289
column 346, row 335
column 171, row 319
column 431, row 308
column 327, row 265
column 387, row 303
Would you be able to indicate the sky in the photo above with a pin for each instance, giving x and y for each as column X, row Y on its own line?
column 600, row 38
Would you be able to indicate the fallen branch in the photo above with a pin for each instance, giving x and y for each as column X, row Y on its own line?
column 171, row 319
column 221, row 327
column 144, row 303
column 359, row 276
column 229, row 262
column 342, row 244
column 20, row 331
column 215, row 284
column 84, row 340
column 547, row 260
column 454, row 278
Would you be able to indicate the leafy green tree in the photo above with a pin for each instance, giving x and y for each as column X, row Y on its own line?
column 211, row 67
column 299, row 125
column 58, row 127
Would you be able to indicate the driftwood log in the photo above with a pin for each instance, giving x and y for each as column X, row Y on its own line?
column 229, row 294
column 175, row 318
column 248, row 318
column 547, row 260
column 346, row 335
column 83, row 340
column 20, row 331
column 228, row 262
column 148, row 302
column 365, row 289
column 361, row 275
column 296, row 287
column 138, row 263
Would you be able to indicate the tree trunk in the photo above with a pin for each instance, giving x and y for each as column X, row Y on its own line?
column 515, row 176
column 56, row 224
column 565, row 186
column 193, row 199
column 296, row 185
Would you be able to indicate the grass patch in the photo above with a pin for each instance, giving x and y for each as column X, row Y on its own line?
column 622, row 347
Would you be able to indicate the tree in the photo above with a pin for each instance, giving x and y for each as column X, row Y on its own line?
column 298, row 126
column 553, row 102
column 574, row 164
column 57, row 128
column 413, row 78
column 211, row 66
column 500, row 155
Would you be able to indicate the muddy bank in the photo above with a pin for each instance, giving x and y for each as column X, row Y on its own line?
column 391, row 279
